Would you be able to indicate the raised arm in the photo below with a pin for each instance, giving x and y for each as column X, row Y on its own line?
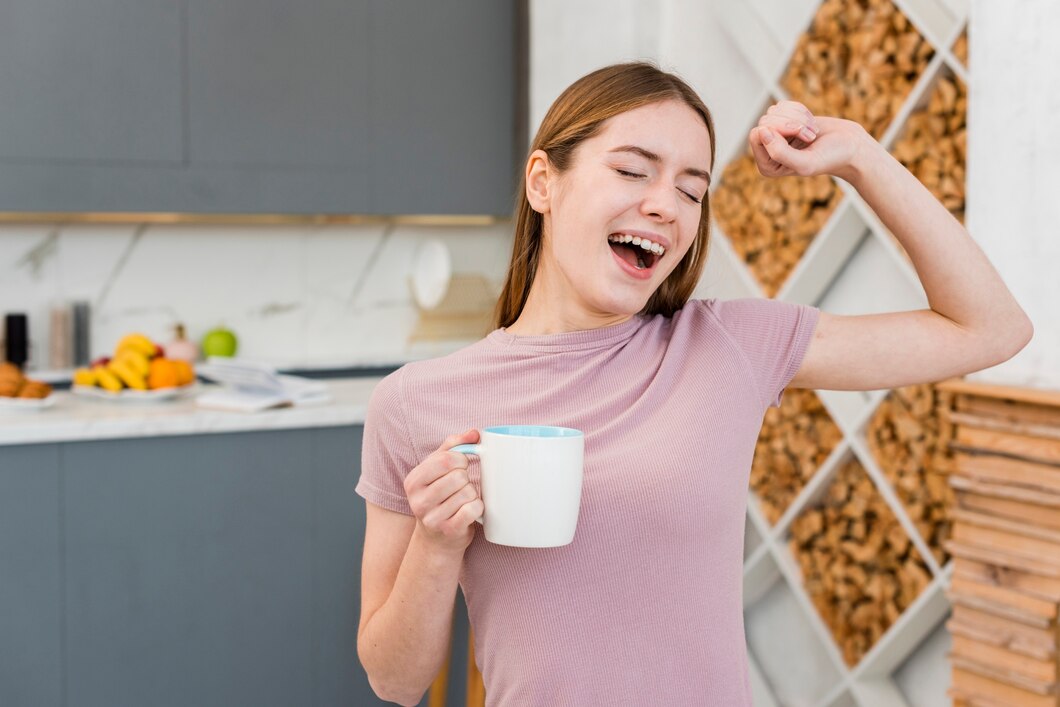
column 973, row 322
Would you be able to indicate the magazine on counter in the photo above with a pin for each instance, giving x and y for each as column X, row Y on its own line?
column 251, row 386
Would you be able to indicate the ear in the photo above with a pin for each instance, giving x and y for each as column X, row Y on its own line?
column 539, row 173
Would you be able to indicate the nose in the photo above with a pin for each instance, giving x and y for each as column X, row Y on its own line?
column 660, row 202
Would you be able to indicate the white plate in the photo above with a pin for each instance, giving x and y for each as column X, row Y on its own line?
column 7, row 403
column 129, row 395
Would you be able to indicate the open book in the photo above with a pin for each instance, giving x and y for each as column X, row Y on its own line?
column 250, row 386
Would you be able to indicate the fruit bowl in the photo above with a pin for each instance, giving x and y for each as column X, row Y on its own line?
column 130, row 395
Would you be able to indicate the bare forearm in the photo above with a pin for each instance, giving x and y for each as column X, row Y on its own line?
column 958, row 279
column 404, row 644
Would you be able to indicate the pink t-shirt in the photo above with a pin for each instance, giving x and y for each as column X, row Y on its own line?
column 645, row 605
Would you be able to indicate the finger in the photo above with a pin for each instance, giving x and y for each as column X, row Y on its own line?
column 450, row 506
column 793, row 110
column 424, row 497
column 434, row 467
column 469, row 513
column 798, row 161
column 766, row 165
column 440, row 489
column 788, row 127
column 466, row 437
column 796, row 107
column 441, row 461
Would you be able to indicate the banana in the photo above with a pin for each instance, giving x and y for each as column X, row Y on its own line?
column 127, row 373
column 106, row 379
column 137, row 342
column 84, row 376
column 136, row 359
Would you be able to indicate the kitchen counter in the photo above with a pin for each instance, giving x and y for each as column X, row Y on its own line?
column 74, row 418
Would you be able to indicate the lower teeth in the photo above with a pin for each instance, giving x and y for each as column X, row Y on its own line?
column 640, row 263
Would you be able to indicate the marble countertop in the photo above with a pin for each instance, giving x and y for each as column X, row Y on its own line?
column 77, row 418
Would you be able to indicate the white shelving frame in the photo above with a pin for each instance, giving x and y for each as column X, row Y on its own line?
column 794, row 658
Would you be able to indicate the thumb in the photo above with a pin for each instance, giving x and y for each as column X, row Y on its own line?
column 467, row 437
column 799, row 161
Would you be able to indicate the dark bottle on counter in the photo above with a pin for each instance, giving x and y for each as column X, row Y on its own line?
column 82, row 343
column 16, row 338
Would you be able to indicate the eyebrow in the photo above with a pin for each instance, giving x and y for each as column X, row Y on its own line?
column 651, row 156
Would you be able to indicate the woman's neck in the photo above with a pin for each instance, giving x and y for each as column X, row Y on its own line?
column 542, row 316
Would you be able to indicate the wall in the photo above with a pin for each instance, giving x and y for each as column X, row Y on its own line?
column 297, row 296
column 1013, row 181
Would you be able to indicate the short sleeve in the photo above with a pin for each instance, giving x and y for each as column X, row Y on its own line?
column 774, row 335
column 387, row 454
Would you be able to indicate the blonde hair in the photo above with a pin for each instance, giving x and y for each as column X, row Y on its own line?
column 579, row 114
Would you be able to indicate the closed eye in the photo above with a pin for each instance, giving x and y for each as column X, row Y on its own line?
column 624, row 173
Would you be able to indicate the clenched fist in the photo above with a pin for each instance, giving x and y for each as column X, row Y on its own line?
column 789, row 139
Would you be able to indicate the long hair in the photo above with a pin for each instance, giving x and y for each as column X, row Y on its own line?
column 579, row 114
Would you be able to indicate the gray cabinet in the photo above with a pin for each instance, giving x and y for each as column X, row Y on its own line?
column 203, row 570
column 443, row 94
column 89, row 81
column 259, row 106
column 31, row 588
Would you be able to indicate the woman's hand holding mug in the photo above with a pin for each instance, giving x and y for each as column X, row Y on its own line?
column 446, row 504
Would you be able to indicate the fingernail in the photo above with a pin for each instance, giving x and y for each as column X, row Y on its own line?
column 767, row 136
column 806, row 134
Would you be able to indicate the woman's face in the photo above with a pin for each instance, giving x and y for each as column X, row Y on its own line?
column 643, row 176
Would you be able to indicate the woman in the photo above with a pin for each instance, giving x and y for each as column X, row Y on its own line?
column 597, row 333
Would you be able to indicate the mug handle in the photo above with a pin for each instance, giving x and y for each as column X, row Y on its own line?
column 476, row 450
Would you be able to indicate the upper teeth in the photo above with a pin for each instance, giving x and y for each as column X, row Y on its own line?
column 644, row 243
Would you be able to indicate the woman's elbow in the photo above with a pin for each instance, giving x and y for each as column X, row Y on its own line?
column 1003, row 344
column 394, row 693
column 383, row 689
column 1024, row 332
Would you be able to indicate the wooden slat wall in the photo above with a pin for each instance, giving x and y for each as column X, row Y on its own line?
column 1004, row 466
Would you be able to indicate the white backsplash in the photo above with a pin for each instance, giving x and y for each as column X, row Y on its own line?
column 295, row 296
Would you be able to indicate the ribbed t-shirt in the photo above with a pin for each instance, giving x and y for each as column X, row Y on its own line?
column 644, row 607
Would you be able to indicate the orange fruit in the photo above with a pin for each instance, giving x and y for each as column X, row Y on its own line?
column 185, row 373
column 163, row 374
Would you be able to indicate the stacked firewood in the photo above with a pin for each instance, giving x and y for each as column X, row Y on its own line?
column 960, row 48
column 858, row 564
column 934, row 143
column 1006, row 544
column 859, row 60
column 795, row 440
column 770, row 222
column 904, row 437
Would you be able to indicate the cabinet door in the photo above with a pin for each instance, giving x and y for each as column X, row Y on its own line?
column 31, row 661
column 278, row 91
column 188, row 563
column 257, row 106
column 338, row 528
column 90, row 80
column 443, row 88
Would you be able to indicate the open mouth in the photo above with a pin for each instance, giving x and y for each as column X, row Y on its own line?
column 639, row 253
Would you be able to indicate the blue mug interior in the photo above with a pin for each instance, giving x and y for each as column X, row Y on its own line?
column 533, row 431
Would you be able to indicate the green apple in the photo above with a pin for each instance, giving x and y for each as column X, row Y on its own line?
column 219, row 342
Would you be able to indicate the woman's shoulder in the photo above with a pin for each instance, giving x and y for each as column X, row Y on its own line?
column 749, row 322
column 437, row 367
column 742, row 311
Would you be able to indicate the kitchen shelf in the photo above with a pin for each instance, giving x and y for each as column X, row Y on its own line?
column 799, row 671
column 852, row 265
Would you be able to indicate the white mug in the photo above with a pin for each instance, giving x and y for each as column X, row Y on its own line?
column 531, row 483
